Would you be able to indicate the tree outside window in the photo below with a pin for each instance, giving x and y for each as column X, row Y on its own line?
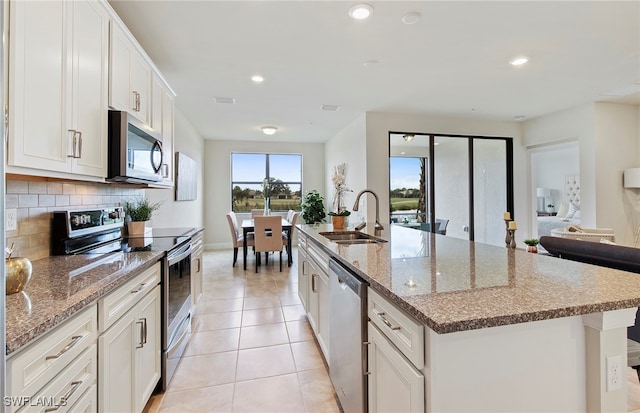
column 250, row 171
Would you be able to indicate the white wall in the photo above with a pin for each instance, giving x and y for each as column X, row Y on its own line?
column 349, row 146
column 217, row 179
column 616, row 144
column 550, row 165
column 575, row 124
column 173, row 214
column 608, row 136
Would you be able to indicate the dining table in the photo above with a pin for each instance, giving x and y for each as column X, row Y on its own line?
column 248, row 226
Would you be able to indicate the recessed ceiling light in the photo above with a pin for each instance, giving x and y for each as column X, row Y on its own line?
column 411, row 18
column 360, row 11
column 370, row 63
column 257, row 78
column 269, row 130
column 519, row 117
column 331, row 108
column 220, row 99
column 519, row 61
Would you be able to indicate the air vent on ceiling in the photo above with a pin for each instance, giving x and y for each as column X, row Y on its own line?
column 219, row 99
column 331, row 108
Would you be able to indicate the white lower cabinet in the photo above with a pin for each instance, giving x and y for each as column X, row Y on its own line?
column 318, row 306
column 129, row 355
column 196, row 268
column 313, row 289
column 395, row 385
column 56, row 370
column 304, row 276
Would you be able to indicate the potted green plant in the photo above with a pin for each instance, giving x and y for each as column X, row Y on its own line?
column 313, row 207
column 532, row 244
column 550, row 207
column 138, row 212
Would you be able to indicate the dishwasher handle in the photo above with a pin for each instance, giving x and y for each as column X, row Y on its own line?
column 351, row 280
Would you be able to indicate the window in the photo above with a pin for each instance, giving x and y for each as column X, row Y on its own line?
column 249, row 172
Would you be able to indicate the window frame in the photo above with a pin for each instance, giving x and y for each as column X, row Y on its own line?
column 267, row 173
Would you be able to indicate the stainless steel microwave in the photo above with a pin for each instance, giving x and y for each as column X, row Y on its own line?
column 135, row 150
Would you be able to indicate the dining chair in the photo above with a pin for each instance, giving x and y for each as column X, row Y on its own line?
column 236, row 237
column 256, row 213
column 285, row 234
column 267, row 237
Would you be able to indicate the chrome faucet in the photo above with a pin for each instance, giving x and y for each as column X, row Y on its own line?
column 378, row 227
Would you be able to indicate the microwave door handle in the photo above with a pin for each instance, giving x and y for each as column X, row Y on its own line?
column 157, row 146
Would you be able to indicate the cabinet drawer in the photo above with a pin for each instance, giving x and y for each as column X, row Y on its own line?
column 403, row 331
column 320, row 257
column 88, row 402
column 302, row 240
column 117, row 303
column 68, row 387
column 32, row 368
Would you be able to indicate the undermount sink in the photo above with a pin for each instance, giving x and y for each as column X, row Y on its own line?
column 351, row 237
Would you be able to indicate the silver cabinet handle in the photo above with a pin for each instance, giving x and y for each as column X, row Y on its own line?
column 136, row 101
column 139, row 289
column 141, row 344
column 74, row 341
column 79, row 144
column 144, row 330
column 313, row 283
column 74, row 143
column 66, row 396
column 386, row 322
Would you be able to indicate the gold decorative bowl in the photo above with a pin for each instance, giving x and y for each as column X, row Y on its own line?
column 18, row 274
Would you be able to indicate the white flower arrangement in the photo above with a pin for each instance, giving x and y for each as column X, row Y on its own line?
column 339, row 189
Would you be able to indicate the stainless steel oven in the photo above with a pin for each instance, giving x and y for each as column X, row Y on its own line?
column 99, row 231
column 177, row 307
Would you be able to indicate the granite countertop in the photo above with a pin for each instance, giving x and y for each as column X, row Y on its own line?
column 62, row 286
column 455, row 285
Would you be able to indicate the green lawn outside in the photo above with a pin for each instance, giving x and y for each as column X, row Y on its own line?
column 404, row 204
column 275, row 205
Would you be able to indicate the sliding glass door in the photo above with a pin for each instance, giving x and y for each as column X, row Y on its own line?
column 458, row 186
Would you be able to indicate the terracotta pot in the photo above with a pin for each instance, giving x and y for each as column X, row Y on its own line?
column 135, row 228
column 532, row 248
column 338, row 221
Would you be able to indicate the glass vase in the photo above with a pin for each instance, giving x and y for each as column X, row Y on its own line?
column 267, row 210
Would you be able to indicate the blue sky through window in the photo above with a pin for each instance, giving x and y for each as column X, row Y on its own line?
column 404, row 172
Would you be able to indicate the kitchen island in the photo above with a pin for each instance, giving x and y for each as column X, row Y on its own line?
column 505, row 330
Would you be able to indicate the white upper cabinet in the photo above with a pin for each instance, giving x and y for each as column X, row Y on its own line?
column 167, row 136
column 58, row 86
column 130, row 76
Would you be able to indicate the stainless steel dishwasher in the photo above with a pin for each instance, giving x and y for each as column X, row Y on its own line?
column 347, row 335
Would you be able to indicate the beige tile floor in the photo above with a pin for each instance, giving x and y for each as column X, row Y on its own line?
column 251, row 349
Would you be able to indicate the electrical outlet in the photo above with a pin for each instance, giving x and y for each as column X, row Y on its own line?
column 614, row 372
column 11, row 219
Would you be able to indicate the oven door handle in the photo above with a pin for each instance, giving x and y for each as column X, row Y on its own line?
column 179, row 255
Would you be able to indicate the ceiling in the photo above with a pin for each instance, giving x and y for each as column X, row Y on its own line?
column 453, row 62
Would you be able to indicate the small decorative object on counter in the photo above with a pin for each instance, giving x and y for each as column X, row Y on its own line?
column 18, row 271
column 507, row 238
column 550, row 207
column 339, row 214
column 139, row 211
column 511, row 231
column 532, row 245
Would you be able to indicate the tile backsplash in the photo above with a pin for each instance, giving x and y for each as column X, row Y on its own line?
column 35, row 202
